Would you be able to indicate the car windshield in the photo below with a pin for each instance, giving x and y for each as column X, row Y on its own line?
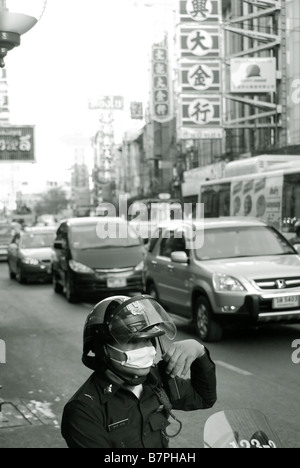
column 239, row 242
column 37, row 241
column 103, row 236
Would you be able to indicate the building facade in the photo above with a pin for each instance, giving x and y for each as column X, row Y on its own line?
column 260, row 92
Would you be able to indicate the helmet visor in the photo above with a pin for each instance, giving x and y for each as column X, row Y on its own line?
column 141, row 319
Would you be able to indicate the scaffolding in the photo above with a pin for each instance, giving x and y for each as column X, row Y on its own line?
column 255, row 121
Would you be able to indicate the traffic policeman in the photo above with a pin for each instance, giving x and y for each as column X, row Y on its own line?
column 128, row 400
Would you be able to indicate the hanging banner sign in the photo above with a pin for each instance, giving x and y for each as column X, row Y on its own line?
column 201, row 77
column 199, row 38
column 199, row 42
column 107, row 102
column 201, row 117
column 17, row 144
column 203, row 133
column 136, row 109
column 4, row 101
column 200, row 11
column 161, row 80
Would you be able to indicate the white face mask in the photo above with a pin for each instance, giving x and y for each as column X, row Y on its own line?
column 141, row 358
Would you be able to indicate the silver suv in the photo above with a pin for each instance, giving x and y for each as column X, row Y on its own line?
column 246, row 272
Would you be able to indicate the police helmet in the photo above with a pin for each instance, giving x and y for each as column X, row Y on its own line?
column 121, row 319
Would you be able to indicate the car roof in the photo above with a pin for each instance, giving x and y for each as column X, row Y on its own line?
column 93, row 220
column 215, row 223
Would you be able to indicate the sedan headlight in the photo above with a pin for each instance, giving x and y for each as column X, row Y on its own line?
column 30, row 261
column 227, row 283
column 140, row 266
column 80, row 268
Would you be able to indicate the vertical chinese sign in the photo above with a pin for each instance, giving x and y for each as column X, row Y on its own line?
column 104, row 170
column 4, row 104
column 161, row 82
column 136, row 110
column 104, row 174
column 200, row 65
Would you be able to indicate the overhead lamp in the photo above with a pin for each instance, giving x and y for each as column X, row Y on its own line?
column 17, row 17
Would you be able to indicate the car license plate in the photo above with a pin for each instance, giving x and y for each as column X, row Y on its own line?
column 116, row 283
column 288, row 302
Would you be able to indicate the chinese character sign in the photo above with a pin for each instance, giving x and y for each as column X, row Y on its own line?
column 200, row 42
column 200, row 63
column 204, row 77
column 17, row 144
column 4, row 103
column 161, row 89
column 104, row 149
column 201, row 111
column 137, row 112
column 199, row 11
column 107, row 103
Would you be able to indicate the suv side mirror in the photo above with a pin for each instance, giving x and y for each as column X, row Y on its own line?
column 180, row 257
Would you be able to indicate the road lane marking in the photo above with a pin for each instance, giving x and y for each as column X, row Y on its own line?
column 233, row 368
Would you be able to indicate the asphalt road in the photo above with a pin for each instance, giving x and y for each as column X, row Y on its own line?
column 43, row 336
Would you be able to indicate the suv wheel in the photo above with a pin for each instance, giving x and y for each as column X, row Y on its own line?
column 208, row 329
column 69, row 291
column 20, row 276
column 58, row 288
column 12, row 275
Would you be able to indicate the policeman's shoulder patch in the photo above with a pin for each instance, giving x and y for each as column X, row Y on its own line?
column 89, row 396
column 87, row 399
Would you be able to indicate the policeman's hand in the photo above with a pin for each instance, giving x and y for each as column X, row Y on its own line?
column 181, row 355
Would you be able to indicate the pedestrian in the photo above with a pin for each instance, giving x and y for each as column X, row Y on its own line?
column 296, row 240
column 128, row 400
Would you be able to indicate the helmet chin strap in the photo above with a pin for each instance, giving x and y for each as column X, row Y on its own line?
column 122, row 380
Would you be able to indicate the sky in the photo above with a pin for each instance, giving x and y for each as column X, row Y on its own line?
column 79, row 50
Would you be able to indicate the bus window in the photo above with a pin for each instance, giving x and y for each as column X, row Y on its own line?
column 210, row 199
column 216, row 199
column 224, row 207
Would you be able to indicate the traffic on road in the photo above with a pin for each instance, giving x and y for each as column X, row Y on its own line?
column 150, row 226
column 233, row 283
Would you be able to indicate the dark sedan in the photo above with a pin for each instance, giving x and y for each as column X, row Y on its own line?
column 29, row 255
column 97, row 257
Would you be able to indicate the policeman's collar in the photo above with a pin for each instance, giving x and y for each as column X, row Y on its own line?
column 111, row 383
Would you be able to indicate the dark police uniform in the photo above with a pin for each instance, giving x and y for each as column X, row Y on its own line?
column 103, row 414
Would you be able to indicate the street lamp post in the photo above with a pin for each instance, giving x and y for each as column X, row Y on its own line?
column 17, row 17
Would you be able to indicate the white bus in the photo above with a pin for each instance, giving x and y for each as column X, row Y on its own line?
column 266, row 187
